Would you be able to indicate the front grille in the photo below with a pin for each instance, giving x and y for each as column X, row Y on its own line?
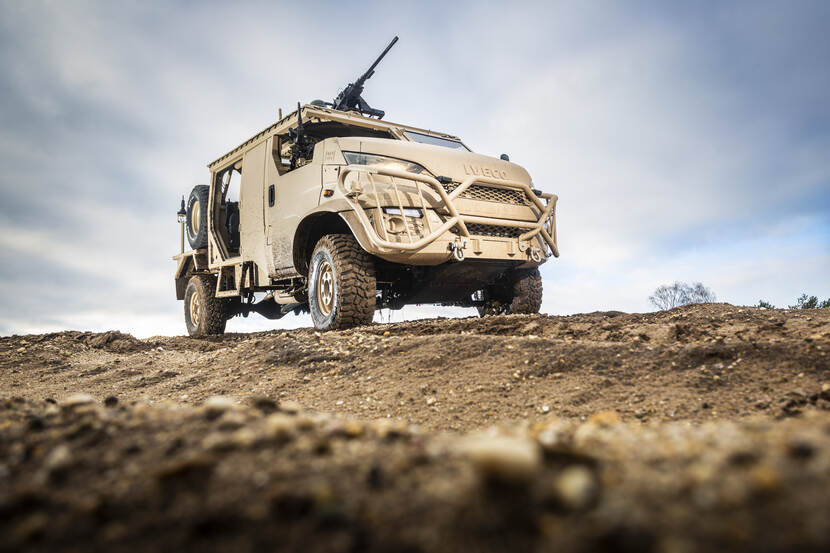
column 490, row 194
column 495, row 230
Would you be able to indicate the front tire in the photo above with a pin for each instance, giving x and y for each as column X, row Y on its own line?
column 204, row 313
column 341, row 283
column 527, row 291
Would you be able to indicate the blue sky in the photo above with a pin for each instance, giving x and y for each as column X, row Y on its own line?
column 686, row 141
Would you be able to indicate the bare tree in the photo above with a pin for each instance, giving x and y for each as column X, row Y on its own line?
column 701, row 294
column 680, row 293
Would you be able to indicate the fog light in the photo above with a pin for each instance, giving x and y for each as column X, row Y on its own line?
column 396, row 225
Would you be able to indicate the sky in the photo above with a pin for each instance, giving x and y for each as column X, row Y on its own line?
column 686, row 141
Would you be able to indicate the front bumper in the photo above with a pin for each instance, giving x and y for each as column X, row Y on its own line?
column 450, row 228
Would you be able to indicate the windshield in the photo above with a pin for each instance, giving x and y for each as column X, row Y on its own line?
column 435, row 141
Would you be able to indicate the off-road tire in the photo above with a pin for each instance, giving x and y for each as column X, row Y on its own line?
column 347, row 298
column 195, row 225
column 520, row 291
column 210, row 313
column 527, row 291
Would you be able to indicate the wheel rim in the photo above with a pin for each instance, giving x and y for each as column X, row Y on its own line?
column 194, row 217
column 195, row 309
column 325, row 288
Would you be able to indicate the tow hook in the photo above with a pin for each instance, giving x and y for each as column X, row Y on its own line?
column 535, row 255
column 457, row 249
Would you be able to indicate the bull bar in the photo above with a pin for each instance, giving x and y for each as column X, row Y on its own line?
column 545, row 225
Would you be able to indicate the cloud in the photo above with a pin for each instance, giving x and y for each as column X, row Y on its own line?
column 684, row 143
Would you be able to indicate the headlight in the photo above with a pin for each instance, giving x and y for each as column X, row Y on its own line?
column 383, row 162
column 407, row 211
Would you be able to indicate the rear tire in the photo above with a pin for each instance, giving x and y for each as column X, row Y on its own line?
column 196, row 223
column 341, row 283
column 519, row 292
column 204, row 313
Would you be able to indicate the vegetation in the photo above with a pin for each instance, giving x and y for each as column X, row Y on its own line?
column 803, row 302
column 680, row 293
column 809, row 302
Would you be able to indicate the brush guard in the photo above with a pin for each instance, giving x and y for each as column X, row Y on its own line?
column 544, row 226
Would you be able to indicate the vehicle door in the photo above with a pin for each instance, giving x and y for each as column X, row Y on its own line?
column 289, row 194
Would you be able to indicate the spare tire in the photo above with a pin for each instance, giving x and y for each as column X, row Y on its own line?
column 196, row 223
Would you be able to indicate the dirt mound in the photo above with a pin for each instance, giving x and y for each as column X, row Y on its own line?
column 222, row 477
column 700, row 428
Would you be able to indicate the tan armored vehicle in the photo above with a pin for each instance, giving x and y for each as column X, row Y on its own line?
column 334, row 211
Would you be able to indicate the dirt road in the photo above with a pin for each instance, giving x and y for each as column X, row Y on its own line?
column 701, row 427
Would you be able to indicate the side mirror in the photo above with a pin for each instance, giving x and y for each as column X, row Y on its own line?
column 505, row 157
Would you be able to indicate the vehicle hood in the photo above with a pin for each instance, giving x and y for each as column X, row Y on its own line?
column 439, row 160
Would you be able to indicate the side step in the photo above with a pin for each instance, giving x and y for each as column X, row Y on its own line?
column 232, row 279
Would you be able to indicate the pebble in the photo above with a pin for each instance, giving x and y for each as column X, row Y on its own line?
column 431, row 400
column 503, row 458
column 264, row 404
column 280, row 426
column 58, row 459
column 76, row 400
column 231, row 420
column 111, row 401
column 605, row 418
column 244, row 437
column 291, row 407
column 576, row 487
column 216, row 405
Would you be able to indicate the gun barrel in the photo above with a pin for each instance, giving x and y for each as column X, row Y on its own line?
column 377, row 61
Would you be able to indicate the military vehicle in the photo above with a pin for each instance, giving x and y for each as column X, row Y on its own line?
column 334, row 211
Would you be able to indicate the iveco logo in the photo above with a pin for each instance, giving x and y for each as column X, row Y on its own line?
column 478, row 171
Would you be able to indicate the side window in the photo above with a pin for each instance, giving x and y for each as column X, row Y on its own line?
column 284, row 156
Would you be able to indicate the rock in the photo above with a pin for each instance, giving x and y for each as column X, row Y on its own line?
column 111, row 401
column 291, row 407
column 388, row 428
column 605, row 418
column 76, row 400
column 765, row 479
column 502, row 458
column 217, row 405
column 231, row 420
column 353, row 429
column 244, row 438
column 280, row 426
column 431, row 400
column 58, row 459
column 801, row 449
column 576, row 488
column 218, row 441
column 264, row 404
column 386, row 333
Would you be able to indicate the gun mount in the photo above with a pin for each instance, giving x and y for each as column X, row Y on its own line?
column 301, row 147
column 351, row 99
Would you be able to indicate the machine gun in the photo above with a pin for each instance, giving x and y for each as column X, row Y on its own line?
column 301, row 146
column 350, row 98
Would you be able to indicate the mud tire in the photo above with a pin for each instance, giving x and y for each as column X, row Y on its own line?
column 351, row 284
column 519, row 292
column 527, row 291
column 209, row 314
column 195, row 225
